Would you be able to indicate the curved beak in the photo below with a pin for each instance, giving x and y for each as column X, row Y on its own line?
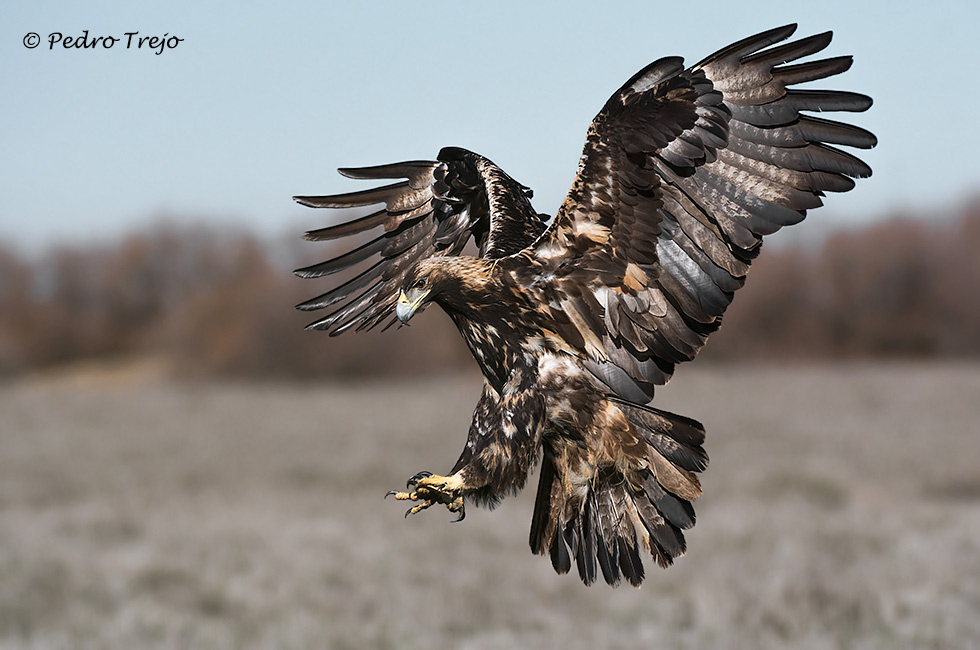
column 408, row 304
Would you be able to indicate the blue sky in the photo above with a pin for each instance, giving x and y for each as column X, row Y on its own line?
column 264, row 100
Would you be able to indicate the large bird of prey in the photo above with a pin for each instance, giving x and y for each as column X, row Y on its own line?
column 573, row 323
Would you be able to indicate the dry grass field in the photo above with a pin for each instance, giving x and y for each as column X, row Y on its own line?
column 841, row 510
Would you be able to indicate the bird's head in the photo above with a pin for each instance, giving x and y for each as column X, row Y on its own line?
column 448, row 280
column 415, row 293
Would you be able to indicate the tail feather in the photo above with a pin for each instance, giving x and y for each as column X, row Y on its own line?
column 604, row 530
column 627, row 531
column 677, row 511
column 666, row 541
column 559, row 555
column 607, row 530
column 542, row 521
column 585, row 554
column 608, row 562
column 629, row 561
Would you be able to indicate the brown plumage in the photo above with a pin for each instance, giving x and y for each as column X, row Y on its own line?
column 684, row 171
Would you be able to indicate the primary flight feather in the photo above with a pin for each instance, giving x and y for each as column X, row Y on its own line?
column 573, row 323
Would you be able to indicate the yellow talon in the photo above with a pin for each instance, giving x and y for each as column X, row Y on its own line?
column 401, row 496
column 431, row 489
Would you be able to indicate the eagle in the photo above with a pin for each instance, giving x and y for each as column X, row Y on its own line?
column 575, row 320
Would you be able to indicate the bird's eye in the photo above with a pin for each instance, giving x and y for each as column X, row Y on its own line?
column 419, row 284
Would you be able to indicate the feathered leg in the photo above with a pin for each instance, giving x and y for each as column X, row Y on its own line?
column 500, row 449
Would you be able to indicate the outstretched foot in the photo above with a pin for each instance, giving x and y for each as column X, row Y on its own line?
column 429, row 489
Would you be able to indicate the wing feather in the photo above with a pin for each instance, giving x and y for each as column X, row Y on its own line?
column 435, row 210
column 683, row 172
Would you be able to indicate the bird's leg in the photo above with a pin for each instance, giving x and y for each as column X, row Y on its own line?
column 429, row 489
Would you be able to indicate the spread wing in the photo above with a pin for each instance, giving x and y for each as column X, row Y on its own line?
column 683, row 172
column 436, row 210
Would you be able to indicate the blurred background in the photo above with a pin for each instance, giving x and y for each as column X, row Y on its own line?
column 181, row 465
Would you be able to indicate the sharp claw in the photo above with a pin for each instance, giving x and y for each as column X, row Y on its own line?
column 390, row 492
column 458, row 505
column 418, row 477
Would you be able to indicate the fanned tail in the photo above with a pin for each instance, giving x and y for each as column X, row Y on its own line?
column 607, row 530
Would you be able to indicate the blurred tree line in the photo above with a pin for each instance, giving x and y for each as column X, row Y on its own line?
column 216, row 304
